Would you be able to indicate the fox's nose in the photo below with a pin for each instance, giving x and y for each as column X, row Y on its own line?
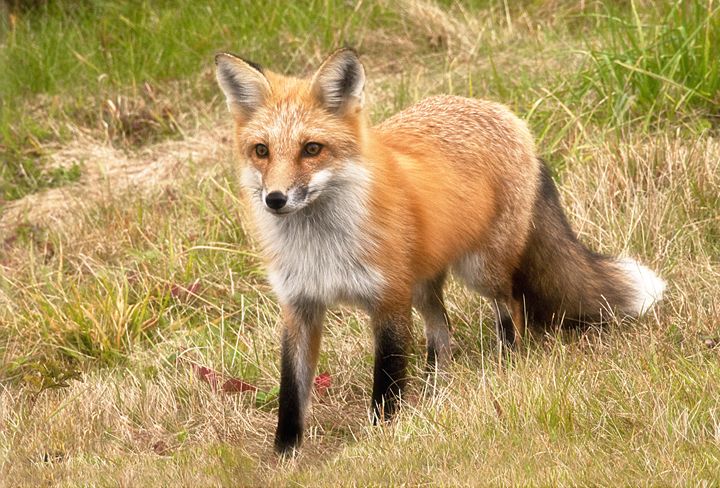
column 275, row 200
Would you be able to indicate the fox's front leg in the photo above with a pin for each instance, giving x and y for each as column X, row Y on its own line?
column 300, row 348
column 392, row 338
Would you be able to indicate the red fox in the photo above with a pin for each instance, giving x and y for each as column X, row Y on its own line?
column 378, row 217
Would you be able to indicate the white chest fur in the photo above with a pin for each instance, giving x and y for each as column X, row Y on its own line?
column 319, row 253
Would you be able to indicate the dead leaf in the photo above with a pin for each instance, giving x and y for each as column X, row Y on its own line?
column 219, row 382
column 185, row 292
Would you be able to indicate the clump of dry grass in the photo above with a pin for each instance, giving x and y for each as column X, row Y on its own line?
column 109, row 172
column 141, row 119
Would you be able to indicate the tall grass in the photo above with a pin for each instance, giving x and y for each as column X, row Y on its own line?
column 662, row 67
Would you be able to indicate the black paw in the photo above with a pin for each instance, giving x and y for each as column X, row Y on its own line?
column 287, row 444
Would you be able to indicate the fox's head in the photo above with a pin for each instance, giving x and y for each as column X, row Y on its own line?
column 294, row 136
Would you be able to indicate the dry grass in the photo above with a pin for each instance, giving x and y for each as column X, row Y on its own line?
column 96, row 340
column 109, row 172
column 631, row 404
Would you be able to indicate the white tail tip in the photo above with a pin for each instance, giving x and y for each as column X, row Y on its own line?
column 649, row 287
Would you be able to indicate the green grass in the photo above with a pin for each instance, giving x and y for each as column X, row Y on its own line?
column 128, row 43
column 109, row 290
column 655, row 68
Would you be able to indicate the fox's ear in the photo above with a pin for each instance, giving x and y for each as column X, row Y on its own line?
column 243, row 83
column 339, row 82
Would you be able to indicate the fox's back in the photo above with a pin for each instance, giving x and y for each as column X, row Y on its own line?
column 472, row 166
column 480, row 133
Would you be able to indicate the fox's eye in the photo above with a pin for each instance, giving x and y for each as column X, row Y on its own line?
column 312, row 149
column 262, row 150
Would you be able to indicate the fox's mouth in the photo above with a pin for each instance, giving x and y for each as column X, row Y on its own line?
column 283, row 211
column 290, row 208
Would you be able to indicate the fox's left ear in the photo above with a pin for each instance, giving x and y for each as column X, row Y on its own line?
column 339, row 81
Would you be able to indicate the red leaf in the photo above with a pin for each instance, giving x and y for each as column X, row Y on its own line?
column 234, row 385
column 322, row 382
column 176, row 291
column 209, row 376
column 214, row 378
column 185, row 292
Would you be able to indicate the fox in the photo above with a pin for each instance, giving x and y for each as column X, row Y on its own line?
column 378, row 217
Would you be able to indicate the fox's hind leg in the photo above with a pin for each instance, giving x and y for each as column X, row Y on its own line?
column 489, row 276
column 428, row 300
column 509, row 322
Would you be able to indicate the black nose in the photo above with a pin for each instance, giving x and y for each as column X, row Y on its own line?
column 276, row 200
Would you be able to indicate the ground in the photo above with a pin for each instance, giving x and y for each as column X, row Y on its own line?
column 131, row 286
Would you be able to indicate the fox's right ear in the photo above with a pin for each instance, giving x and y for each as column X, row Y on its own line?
column 243, row 83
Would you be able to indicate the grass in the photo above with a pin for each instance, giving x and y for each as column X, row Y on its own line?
column 101, row 64
column 126, row 256
column 652, row 70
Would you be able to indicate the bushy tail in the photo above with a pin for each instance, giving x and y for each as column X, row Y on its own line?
column 561, row 279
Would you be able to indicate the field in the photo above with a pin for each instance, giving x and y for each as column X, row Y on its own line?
column 130, row 285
